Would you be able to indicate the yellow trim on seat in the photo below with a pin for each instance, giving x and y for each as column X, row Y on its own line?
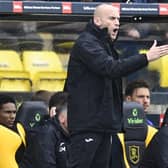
column 151, row 132
column 121, row 137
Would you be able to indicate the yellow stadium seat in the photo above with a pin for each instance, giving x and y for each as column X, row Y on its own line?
column 154, row 65
column 163, row 71
column 51, row 81
column 15, row 81
column 159, row 65
column 12, row 75
column 10, row 60
column 37, row 61
column 15, row 85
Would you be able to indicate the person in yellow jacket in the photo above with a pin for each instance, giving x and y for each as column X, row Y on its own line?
column 12, row 141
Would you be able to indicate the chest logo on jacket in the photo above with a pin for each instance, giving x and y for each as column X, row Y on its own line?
column 62, row 147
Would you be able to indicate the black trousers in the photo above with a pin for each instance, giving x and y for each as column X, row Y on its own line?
column 89, row 150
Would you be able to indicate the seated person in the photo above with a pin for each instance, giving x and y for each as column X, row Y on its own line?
column 48, row 139
column 139, row 92
column 12, row 134
column 52, row 138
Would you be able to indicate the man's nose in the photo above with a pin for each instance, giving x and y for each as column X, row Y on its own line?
column 146, row 99
column 12, row 115
column 117, row 22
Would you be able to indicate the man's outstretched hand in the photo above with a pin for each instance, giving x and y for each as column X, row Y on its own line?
column 155, row 52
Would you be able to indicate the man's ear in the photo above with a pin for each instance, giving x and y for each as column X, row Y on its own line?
column 128, row 98
column 52, row 111
column 97, row 21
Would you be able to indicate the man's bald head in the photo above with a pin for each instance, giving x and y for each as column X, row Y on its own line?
column 107, row 16
column 103, row 8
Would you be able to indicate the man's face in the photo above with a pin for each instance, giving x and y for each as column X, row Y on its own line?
column 8, row 114
column 109, row 19
column 142, row 96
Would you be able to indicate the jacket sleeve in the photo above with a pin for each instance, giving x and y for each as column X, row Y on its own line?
column 95, row 57
column 161, row 153
column 45, row 146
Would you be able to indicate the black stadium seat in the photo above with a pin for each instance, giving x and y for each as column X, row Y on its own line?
column 135, row 128
column 30, row 113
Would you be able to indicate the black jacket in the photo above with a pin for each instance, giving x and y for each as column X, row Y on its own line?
column 51, row 146
column 47, row 146
column 94, row 82
column 156, row 154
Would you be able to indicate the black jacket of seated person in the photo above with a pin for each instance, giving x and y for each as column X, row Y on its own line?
column 47, row 145
column 156, row 154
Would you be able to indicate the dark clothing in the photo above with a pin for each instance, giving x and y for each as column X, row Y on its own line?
column 149, row 122
column 48, row 148
column 90, row 150
column 156, row 154
column 28, row 158
column 117, row 159
column 94, row 82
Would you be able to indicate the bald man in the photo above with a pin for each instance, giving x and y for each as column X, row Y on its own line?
column 94, row 84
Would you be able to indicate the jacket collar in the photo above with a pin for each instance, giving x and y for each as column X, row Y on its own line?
column 100, row 33
column 57, row 123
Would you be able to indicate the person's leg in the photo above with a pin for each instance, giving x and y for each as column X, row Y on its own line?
column 89, row 150
column 82, row 149
column 116, row 159
column 103, row 153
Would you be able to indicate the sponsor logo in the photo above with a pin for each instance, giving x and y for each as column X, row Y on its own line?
column 32, row 124
column 135, row 119
column 62, row 147
column 37, row 117
column 89, row 139
column 163, row 9
column 134, row 154
column 89, row 8
column 66, row 7
column 17, row 6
